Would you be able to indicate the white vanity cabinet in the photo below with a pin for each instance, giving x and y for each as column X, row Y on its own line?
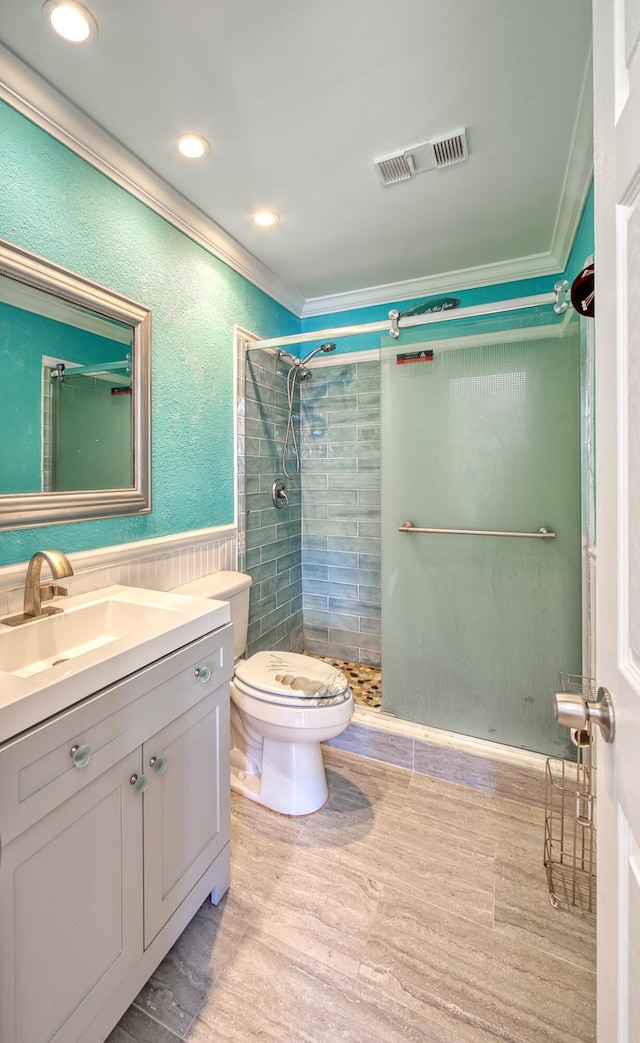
column 103, row 862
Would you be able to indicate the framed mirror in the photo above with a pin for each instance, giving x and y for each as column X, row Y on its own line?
column 75, row 396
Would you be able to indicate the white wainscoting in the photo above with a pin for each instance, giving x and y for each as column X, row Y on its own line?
column 159, row 564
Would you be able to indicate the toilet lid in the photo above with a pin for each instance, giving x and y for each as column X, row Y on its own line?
column 289, row 700
column 288, row 674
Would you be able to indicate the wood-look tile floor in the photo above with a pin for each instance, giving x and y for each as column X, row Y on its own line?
column 408, row 910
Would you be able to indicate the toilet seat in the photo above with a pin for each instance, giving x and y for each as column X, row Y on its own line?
column 296, row 720
column 303, row 702
column 270, row 677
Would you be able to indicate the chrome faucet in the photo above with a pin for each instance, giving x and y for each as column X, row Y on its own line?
column 34, row 594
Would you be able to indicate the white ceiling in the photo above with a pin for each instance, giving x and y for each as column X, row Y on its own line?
column 298, row 97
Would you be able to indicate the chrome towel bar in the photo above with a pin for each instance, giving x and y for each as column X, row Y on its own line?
column 542, row 533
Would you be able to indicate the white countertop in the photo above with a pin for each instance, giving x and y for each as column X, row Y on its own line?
column 157, row 623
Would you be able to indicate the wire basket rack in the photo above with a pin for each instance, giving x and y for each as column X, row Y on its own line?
column 570, row 815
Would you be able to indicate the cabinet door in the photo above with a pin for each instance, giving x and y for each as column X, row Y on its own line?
column 70, row 910
column 186, row 807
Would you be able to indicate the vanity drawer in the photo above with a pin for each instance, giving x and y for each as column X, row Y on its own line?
column 37, row 770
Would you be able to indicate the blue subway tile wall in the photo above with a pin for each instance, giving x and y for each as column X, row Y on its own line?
column 273, row 537
column 340, row 434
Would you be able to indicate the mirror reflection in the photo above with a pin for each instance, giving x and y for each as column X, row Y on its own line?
column 66, row 395
column 74, row 396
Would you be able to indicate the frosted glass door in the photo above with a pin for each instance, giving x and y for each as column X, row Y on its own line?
column 477, row 628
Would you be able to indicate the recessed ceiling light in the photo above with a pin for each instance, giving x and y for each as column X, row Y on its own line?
column 266, row 218
column 193, row 146
column 71, row 21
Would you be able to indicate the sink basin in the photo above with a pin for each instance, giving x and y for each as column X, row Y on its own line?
column 80, row 629
column 99, row 637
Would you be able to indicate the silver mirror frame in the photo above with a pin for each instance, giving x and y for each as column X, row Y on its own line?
column 24, row 510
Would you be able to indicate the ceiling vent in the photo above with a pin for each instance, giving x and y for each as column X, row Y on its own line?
column 428, row 155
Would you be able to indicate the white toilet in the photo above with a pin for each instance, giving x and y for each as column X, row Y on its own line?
column 283, row 705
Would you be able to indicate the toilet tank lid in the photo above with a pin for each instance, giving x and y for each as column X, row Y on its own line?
column 219, row 585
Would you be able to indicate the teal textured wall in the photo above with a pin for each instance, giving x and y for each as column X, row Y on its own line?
column 54, row 203
column 583, row 244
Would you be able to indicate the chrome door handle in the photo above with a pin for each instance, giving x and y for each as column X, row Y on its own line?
column 576, row 712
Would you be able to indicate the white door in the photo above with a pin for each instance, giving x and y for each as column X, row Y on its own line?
column 617, row 258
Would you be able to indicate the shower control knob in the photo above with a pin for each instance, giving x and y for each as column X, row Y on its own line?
column 575, row 712
column 279, row 497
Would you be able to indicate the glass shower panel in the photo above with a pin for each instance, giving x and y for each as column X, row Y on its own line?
column 476, row 628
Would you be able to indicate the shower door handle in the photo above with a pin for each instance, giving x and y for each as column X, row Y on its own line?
column 278, row 494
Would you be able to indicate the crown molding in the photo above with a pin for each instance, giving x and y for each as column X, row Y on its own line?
column 530, row 267
column 577, row 181
column 578, row 175
column 30, row 94
column 33, row 96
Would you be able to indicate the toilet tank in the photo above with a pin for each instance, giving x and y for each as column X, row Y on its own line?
column 226, row 586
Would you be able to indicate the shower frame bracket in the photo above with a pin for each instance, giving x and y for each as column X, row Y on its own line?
column 394, row 315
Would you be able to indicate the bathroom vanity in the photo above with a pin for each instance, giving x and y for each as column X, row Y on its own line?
column 114, row 810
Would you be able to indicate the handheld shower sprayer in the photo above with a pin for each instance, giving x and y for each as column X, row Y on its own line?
column 300, row 363
column 297, row 369
column 326, row 348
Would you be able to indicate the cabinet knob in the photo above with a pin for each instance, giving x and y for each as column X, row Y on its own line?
column 80, row 755
column 159, row 764
column 139, row 783
column 203, row 673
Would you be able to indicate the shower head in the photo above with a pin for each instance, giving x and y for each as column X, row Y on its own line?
column 287, row 355
column 326, row 348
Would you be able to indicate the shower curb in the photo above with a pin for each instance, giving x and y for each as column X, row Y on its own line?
column 476, row 764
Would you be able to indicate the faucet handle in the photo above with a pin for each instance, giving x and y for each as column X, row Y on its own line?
column 49, row 591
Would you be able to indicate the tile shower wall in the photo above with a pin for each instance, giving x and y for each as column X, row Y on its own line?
column 340, row 432
column 273, row 550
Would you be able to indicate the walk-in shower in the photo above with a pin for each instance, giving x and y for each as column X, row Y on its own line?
column 468, row 427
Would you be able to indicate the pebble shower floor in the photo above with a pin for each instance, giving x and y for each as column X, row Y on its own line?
column 365, row 681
